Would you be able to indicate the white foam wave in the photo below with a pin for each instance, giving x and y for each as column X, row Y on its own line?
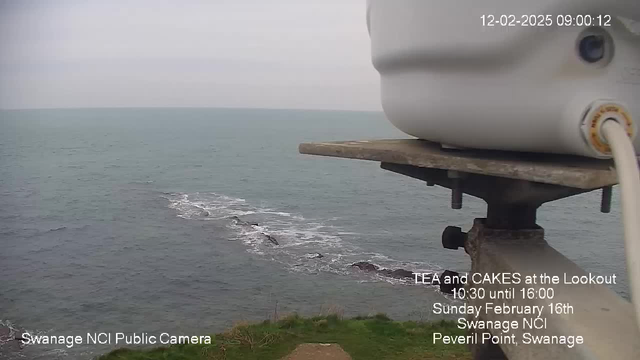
column 208, row 206
column 11, row 334
column 17, row 331
column 296, row 235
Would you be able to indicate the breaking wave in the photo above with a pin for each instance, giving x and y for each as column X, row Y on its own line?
column 300, row 239
column 10, row 348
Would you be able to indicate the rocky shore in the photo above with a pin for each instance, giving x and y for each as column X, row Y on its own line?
column 448, row 280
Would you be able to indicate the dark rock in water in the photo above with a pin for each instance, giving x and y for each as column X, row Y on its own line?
column 271, row 238
column 241, row 222
column 402, row 273
column 366, row 266
column 385, row 272
column 393, row 273
column 449, row 281
column 397, row 274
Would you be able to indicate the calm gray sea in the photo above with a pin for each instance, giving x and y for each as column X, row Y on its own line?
column 103, row 226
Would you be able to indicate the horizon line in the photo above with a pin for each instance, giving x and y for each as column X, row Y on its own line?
column 182, row 107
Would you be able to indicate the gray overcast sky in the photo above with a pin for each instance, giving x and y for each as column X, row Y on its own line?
column 228, row 53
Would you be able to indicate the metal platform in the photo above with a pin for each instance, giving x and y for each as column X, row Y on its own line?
column 571, row 171
column 514, row 185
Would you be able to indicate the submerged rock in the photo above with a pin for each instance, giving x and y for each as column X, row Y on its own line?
column 271, row 238
column 448, row 281
column 397, row 273
column 394, row 273
column 402, row 274
column 241, row 222
column 365, row 266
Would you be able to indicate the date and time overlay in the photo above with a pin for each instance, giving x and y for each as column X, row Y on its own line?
column 511, row 20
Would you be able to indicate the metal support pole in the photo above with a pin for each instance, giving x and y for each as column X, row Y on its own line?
column 509, row 241
column 511, row 216
column 599, row 315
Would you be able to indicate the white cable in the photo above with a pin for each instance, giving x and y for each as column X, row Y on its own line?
column 629, row 178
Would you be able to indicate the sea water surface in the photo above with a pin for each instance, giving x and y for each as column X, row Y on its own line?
column 119, row 220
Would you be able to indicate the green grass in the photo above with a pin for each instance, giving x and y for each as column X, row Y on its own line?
column 364, row 338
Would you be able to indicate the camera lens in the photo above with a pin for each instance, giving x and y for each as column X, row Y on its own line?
column 592, row 48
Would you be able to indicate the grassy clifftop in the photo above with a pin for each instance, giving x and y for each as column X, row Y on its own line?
column 364, row 338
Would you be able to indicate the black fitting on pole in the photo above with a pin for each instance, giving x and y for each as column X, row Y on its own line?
column 453, row 237
column 456, row 194
column 605, row 202
column 456, row 189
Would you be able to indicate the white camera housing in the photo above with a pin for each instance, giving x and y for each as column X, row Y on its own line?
column 449, row 77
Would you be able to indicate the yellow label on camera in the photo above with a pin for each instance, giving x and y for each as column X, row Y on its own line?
column 596, row 120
